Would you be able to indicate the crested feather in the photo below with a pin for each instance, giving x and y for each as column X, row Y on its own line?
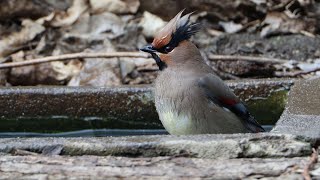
column 178, row 29
column 220, row 94
column 185, row 29
column 163, row 37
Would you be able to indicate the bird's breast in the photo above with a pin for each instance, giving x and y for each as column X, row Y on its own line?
column 175, row 120
column 173, row 102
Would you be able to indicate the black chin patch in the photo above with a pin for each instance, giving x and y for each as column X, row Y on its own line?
column 162, row 65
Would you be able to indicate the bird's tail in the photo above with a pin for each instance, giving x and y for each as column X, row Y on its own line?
column 253, row 125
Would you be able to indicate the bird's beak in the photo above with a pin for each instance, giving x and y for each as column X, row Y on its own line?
column 149, row 49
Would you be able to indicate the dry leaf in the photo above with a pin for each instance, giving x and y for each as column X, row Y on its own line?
column 105, row 23
column 16, row 40
column 98, row 71
column 230, row 27
column 66, row 71
column 114, row 6
column 73, row 13
column 308, row 67
column 151, row 24
column 280, row 23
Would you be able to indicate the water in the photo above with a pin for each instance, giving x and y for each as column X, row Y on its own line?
column 95, row 133
column 87, row 133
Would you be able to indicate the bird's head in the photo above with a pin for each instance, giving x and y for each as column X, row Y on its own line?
column 167, row 41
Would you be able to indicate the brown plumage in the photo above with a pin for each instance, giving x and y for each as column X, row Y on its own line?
column 189, row 97
column 164, row 36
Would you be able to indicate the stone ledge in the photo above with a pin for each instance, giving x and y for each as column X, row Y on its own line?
column 213, row 146
column 302, row 113
column 117, row 108
column 97, row 167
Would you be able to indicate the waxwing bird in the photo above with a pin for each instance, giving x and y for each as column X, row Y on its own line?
column 189, row 97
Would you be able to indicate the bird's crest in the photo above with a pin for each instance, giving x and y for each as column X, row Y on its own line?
column 178, row 29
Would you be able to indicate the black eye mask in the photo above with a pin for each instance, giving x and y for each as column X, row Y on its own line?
column 183, row 32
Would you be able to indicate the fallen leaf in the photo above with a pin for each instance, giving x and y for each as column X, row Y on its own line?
column 90, row 32
column 277, row 23
column 308, row 67
column 105, row 23
column 151, row 24
column 62, row 18
column 15, row 40
column 99, row 71
column 128, row 65
column 114, row 6
column 66, row 71
column 230, row 27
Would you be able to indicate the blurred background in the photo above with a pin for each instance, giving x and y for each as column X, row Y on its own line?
column 283, row 35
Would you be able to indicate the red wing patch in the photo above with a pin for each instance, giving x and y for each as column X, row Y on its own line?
column 229, row 102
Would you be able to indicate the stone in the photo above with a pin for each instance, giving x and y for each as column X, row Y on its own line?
column 56, row 109
column 302, row 112
column 97, row 167
column 238, row 156
column 211, row 146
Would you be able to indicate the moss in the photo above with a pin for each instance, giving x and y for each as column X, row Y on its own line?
column 268, row 110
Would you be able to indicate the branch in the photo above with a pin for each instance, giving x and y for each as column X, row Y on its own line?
column 311, row 164
column 247, row 58
column 295, row 73
column 222, row 74
column 74, row 56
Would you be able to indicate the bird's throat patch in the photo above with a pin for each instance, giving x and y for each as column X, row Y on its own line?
column 162, row 65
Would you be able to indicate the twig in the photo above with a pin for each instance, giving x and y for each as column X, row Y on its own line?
column 310, row 165
column 295, row 73
column 249, row 24
column 74, row 56
column 222, row 74
column 247, row 58
column 20, row 152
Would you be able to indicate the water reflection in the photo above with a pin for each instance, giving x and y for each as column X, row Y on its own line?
column 95, row 133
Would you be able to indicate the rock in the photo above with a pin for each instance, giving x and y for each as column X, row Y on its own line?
column 213, row 146
column 302, row 113
column 97, row 167
column 71, row 108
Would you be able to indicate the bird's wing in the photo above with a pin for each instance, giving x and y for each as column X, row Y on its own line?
column 219, row 93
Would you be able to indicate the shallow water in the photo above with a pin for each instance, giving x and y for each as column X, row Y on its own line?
column 95, row 133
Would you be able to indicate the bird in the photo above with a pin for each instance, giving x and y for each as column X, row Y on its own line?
column 189, row 97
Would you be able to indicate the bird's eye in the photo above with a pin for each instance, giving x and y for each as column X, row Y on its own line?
column 168, row 48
